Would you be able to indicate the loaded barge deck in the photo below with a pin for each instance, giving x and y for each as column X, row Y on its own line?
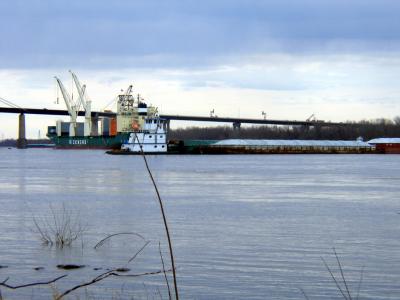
column 235, row 146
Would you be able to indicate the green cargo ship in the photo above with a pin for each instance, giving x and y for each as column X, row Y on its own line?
column 112, row 132
column 89, row 142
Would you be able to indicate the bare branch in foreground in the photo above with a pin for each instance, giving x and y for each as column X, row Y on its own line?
column 342, row 273
column 160, row 202
column 99, row 244
column 360, row 282
column 304, row 293
column 345, row 291
column 139, row 251
column 14, row 287
column 334, row 279
column 61, row 228
column 165, row 274
column 104, row 276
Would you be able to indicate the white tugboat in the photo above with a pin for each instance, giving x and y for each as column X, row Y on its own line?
column 151, row 139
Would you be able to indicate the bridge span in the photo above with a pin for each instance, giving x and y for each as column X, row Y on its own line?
column 51, row 112
column 236, row 122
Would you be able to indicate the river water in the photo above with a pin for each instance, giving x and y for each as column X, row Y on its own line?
column 243, row 227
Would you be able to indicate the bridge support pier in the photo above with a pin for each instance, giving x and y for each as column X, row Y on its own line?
column 236, row 130
column 236, row 125
column 21, row 142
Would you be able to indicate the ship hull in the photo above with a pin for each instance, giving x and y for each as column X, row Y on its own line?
column 89, row 142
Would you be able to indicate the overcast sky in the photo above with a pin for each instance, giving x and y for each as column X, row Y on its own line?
column 337, row 59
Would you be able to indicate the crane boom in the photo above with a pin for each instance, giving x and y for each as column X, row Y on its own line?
column 72, row 109
column 86, row 104
column 128, row 90
column 81, row 91
column 66, row 96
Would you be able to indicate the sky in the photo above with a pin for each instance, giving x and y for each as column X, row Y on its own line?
column 339, row 60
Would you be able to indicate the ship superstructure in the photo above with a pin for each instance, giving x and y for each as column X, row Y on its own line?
column 131, row 112
column 151, row 138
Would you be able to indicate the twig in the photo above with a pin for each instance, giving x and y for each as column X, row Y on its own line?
column 138, row 252
column 14, row 287
column 104, row 276
column 165, row 274
column 62, row 228
column 334, row 279
column 94, row 280
column 44, row 236
column 115, row 234
column 341, row 273
column 345, row 293
column 360, row 282
column 147, row 292
column 163, row 215
column 158, row 290
column 304, row 293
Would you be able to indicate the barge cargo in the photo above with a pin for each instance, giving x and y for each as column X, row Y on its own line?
column 237, row 146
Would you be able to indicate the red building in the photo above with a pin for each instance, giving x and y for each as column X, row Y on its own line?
column 386, row 145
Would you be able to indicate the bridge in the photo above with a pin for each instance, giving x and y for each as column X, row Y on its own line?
column 236, row 122
column 51, row 112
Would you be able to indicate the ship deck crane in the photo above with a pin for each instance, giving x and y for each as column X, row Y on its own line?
column 71, row 107
column 86, row 104
column 128, row 90
column 311, row 118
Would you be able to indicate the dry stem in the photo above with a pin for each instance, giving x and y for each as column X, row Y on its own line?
column 104, row 276
column 163, row 216
column 165, row 274
column 99, row 244
column 14, row 287
column 61, row 228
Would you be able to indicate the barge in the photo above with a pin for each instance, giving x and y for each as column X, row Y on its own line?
column 386, row 145
column 236, row 146
column 247, row 146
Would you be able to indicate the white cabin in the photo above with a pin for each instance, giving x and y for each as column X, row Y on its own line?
column 152, row 138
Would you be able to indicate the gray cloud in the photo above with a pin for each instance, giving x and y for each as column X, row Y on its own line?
column 104, row 34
